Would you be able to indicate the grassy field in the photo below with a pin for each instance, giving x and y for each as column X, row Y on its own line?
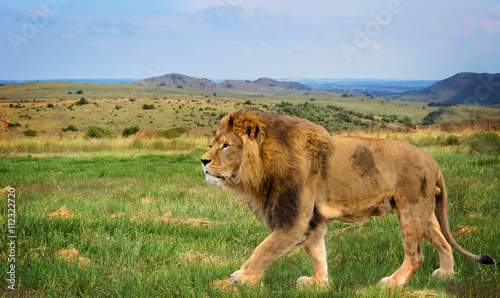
column 141, row 221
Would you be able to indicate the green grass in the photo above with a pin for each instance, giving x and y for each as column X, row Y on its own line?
column 149, row 225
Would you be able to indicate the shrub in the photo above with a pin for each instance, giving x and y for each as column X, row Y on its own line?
column 82, row 101
column 173, row 132
column 50, row 105
column 99, row 132
column 30, row 133
column 132, row 129
column 70, row 128
column 485, row 142
column 148, row 107
column 452, row 140
column 79, row 92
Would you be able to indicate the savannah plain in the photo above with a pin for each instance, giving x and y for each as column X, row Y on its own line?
column 133, row 216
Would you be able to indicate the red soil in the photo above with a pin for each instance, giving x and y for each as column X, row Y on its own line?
column 5, row 125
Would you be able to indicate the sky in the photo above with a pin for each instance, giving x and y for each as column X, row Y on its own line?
column 248, row 39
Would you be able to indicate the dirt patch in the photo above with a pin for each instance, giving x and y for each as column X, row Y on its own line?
column 225, row 286
column 5, row 125
column 464, row 230
column 5, row 190
column 63, row 212
column 186, row 221
column 193, row 257
column 72, row 255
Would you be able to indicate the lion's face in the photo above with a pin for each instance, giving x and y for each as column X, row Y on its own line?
column 222, row 162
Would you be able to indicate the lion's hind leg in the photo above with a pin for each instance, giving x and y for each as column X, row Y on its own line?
column 434, row 235
column 413, row 221
column 315, row 248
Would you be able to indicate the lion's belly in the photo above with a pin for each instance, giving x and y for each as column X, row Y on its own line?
column 357, row 210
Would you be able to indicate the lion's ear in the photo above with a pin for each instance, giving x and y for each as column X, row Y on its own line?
column 249, row 128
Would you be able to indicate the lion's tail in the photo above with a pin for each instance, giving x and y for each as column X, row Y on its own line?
column 442, row 214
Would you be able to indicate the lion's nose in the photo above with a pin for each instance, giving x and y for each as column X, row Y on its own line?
column 206, row 161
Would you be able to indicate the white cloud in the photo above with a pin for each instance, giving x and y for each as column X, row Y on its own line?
column 99, row 45
column 442, row 46
column 433, row 28
column 242, row 49
column 67, row 35
column 496, row 10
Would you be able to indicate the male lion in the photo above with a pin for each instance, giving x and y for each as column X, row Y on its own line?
column 296, row 179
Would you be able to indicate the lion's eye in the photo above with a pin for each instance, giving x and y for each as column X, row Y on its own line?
column 225, row 146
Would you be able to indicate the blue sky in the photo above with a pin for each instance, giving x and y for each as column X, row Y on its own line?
column 248, row 39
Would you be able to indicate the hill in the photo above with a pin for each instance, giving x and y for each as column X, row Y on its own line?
column 463, row 88
column 262, row 86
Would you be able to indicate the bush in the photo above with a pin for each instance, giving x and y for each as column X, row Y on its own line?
column 82, row 101
column 30, row 133
column 79, row 92
column 452, row 140
column 132, row 129
column 485, row 142
column 70, row 128
column 173, row 132
column 50, row 105
column 99, row 132
column 148, row 107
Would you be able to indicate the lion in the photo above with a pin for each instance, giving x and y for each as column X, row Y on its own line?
column 296, row 179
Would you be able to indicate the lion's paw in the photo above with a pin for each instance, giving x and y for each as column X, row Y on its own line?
column 241, row 278
column 440, row 273
column 309, row 281
column 391, row 282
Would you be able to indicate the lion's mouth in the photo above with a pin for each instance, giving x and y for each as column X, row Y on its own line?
column 207, row 173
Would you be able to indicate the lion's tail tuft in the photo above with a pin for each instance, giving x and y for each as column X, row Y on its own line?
column 442, row 214
column 486, row 259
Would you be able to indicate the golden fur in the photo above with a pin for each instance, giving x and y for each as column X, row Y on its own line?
column 296, row 179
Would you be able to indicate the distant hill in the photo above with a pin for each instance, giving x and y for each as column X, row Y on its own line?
column 264, row 86
column 463, row 88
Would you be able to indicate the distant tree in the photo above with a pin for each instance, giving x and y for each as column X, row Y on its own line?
column 50, row 105
column 248, row 103
column 79, row 92
column 69, row 92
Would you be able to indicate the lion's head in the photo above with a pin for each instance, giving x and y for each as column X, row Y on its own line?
column 235, row 149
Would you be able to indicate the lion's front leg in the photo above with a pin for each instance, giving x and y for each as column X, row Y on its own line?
column 315, row 248
column 278, row 243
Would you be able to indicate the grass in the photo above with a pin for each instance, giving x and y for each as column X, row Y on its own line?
column 127, row 221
